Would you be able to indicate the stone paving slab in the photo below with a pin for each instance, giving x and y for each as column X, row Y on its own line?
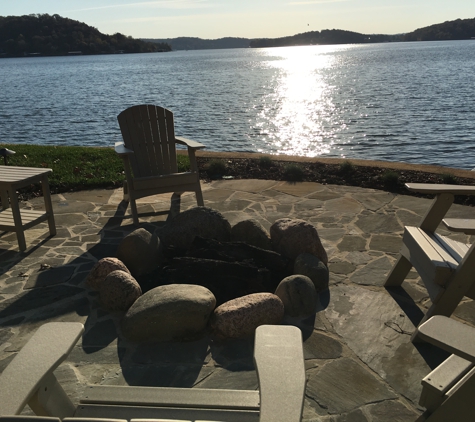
column 360, row 363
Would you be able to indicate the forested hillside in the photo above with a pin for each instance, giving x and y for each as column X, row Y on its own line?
column 193, row 43
column 54, row 36
column 326, row 36
column 460, row 29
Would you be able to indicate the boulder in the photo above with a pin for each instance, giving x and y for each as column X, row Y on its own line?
column 198, row 221
column 175, row 312
column 298, row 295
column 309, row 265
column 140, row 251
column 252, row 232
column 240, row 317
column 291, row 237
column 119, row 291
column 102, row 269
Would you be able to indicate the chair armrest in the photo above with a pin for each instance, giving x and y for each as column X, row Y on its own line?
column 278, row 355
column 449, row 335
column 188, row 142
column 121, row 149
column 35, row 362
column 435, row 189
column 464, row 225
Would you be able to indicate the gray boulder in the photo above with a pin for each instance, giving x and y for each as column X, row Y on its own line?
column 102, row 269
column 198, row 221
column 291, row 237
column 309, row 265
column 240, row 317
column 119, row 291
column 140, row 251
column 298, row 295
column 175, row 312
column 252, row 232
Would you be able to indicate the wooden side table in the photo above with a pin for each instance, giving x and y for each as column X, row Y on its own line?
column 11, row 218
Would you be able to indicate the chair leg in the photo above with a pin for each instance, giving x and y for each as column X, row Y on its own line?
column 133, row 209
column 399, row 272
column 199, row 197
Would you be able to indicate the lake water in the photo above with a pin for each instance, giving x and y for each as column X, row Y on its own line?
column 411, row 102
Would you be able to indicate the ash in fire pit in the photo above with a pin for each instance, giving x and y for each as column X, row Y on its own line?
column 195, row 248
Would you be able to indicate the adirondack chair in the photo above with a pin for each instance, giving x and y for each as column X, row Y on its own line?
column 278, row 355
column 149, row 154
column 446, row 266
column 448, row 391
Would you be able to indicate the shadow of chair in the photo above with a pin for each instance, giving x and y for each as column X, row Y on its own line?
column 150, row 155
column 446, row 266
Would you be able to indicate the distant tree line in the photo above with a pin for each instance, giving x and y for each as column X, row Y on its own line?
column 326, row 36
column 55, row 36
column 451, row 30
column 193, row 43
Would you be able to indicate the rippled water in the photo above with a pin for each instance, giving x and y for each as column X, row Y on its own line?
column 412, row 102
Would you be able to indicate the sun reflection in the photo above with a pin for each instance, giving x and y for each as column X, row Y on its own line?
column 296, row 115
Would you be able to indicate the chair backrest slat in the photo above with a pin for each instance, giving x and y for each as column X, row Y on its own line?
column 148, row 131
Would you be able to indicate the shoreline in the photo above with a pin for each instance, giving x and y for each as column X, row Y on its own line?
column 389, row 165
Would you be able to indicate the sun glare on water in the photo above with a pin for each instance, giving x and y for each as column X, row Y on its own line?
column 296, row 117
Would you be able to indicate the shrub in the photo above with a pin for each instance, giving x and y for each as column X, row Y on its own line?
column 347, row 167
column 293, row 173
column 216, row 168
column 183, row 163
column 449, row 179
column 390, row 179
column 265, row 161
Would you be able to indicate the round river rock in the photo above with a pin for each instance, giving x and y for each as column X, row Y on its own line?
column 175, row 312
column 102, row 269
column 292, row 237
column 239, row 318
column 140, row 251
column 118, row 291
column 298, row 295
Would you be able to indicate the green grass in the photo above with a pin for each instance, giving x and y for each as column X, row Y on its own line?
column 75, row 168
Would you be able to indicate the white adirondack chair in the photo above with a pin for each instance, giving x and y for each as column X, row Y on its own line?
column 446, row 266
column 149, row 154
column 29, row 379
column 448, row 391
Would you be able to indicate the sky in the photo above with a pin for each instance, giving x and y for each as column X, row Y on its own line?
column 211, row 19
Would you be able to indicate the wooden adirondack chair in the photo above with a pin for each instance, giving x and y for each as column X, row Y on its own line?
column 446, row 266
column 149, row 154
column 29, row 379
column 448, row 391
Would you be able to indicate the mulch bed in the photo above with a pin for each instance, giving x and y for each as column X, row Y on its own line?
column 332, row 174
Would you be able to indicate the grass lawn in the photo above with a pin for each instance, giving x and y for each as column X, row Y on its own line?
column 75, row 168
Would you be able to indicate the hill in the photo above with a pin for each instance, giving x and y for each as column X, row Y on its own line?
column 191, row 43
column 451, row 30
column 55, row 36
column 326, row 36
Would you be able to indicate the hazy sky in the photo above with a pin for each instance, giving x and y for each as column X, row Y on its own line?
column 246, row 18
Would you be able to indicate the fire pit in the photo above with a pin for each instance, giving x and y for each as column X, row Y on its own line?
column 199, row 274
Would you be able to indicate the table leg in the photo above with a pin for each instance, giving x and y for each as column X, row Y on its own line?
column 4, row 199
column 48, row 205
column 17, row 219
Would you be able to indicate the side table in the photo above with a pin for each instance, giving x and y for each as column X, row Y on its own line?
column 11, row 218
